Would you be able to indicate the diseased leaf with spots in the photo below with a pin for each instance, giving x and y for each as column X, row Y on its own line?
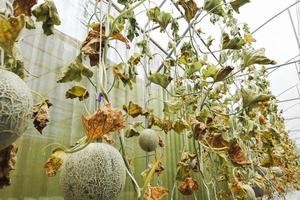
column 10, row 29
column 54, row 162
column 236, row 4
column 7, row 164
column 160, row 79
column 234, row 43
column 79, row 92
column 47, row 13
column 214, row 6
column 75, row 72
column 41, row 115
column 23, row 7
column 190, row 8
column 103, row 122
column 256, row 57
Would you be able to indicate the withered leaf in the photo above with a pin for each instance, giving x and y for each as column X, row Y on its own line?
column 250, row 98
column 134, row 109
column 91, row 45
column 47, row 13
column 79, row 92
column 54, row 162
column 180, row 125
column 155, row 193
column 165, row 124
column 252, row 57
column 10, row 29
column 234, row 43
column 218, row 142
column 122, row 38
column 200, row 131
column 237, row 154
column 190, row 8
column 7, row 163
column 23, row 7
column 103, row 122
column 223, row 73
column 188, row 186
column 75, row 72
column 41, row 115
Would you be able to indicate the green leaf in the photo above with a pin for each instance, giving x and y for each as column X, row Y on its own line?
column 223, row 73
column 235, row 43
column 132, row 27
column 209, row 71
column 250, row 98
column 190, row 8
column 214, row 6
column 47, row 13
column 79, row 92
column 194, row 67
column 160, row 79
column 236, row 4
column 256, row 57
column 75, row 72
column 162, row 18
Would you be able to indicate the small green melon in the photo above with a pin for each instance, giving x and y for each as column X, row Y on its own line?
column 15, row 107
column 97, row 172
column 148, row 140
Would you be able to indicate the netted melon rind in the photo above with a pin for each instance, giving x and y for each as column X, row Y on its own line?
column 148, row 140
column 15, row 107
column 95, row 173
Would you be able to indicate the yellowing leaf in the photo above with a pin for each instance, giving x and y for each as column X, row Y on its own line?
column 122, row 38
column 134, row 109
column 256, row 57
column 209, row 71
column 79, row 92
column 190, row 8
column 10, row 29
column 23, row 7
column 41, row 115
column 103, row 122
column 250, row 98
column 54, row 162
column 180, row 125
column 160, row 79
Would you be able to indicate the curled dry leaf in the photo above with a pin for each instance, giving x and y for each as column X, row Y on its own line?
column 190, row 8
column 237, row 154
column 134, row 109
column 79, row 92
column 122, row 38
column 41, row 115
column 7, row 163
column 199, row 131
column 55, row 161
column 155, row 193
column 102, row 122
column 223, row 73
column 188, row 186
column 218, row 142
column 23, row 7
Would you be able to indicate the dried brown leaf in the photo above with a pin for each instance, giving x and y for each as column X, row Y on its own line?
column 237, row 154
column 23, row 7
column 188, row 186
column 200, row 131
column 155, row 193
column 122, row 38
column 41, row 115
column 102, row 122
column 54, row 162
column 7, row 163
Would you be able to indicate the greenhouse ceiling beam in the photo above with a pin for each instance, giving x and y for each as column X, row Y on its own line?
column 276, row 15
column 294, row 28
column 288, row 100
column 291, row 118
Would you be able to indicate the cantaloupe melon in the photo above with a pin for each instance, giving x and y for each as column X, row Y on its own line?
column 148, row 140
column 95, row 173
column 15, row 107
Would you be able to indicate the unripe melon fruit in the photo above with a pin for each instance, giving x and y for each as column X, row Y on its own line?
column 15, row 107
column 97, row 172
column 148, row 140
